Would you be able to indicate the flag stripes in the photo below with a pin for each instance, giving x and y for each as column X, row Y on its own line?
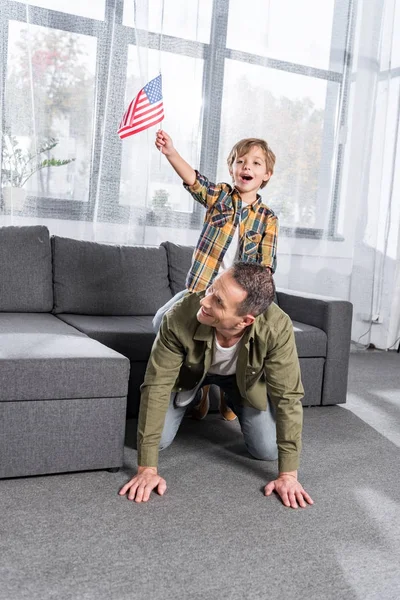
column 144, row 111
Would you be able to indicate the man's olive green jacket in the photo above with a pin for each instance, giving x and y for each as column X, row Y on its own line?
column 267, row 364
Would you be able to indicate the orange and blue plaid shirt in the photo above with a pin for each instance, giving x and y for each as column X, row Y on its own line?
column 258, row 231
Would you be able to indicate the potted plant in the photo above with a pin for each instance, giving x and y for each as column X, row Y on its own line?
column 159, row 214
column 18, row 165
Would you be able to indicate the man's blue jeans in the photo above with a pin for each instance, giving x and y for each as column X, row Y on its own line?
column 258, row 427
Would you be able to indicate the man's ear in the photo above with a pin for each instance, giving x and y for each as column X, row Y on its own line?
column 248, row 320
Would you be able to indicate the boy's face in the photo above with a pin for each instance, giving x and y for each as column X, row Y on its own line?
column 250, row 170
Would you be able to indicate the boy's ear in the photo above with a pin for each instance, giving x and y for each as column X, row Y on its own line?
column 267, row 176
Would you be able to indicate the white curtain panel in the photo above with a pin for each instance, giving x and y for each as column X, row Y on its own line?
column 318, row 80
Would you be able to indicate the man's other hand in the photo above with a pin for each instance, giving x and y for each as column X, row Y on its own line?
column 289, row 490
column 144, row 482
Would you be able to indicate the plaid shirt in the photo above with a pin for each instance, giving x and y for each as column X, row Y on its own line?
column 258, row 231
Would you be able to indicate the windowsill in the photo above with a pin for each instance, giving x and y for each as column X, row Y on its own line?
column 309, row 233
column 62, row 209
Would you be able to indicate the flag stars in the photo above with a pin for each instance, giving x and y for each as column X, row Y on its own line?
column 145, row 110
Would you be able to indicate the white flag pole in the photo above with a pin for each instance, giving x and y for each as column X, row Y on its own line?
column 159, row 63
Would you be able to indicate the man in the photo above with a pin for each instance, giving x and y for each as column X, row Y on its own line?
column 232, row 335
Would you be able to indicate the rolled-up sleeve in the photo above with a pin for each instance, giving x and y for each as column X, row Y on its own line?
column 269, row 243
column 203, row 191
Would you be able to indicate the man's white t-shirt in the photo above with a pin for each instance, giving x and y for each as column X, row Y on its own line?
column 232, row 252
column 224, row 359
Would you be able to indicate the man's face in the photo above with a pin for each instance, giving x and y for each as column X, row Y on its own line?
column 219, row 306
column 250, row 170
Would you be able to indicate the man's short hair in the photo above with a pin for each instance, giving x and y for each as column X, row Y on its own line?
column 259, row 284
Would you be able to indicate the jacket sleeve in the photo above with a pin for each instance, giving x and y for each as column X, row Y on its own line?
column 269, row 243
column 203, row 191
column 161, row 374
column 284, row 387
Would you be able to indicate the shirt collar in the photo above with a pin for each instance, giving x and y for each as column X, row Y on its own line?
column 254, row 206
column 249, row 334
column 204, row 333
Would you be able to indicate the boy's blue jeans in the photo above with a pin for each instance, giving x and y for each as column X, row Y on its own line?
column 161, row 311
column 258, row 427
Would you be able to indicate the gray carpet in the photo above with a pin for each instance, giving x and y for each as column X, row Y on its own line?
column 214, row 535
column 374, row 391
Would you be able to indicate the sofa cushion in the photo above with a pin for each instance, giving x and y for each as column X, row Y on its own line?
column 312, row 374
column 131, row 336
column 100, row 279
column 25, row 269
column 42, row 358
column 179, row 261
column 310, row 341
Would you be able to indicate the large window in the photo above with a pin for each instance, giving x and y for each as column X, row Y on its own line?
column 190, row 20
column 50, row 92
column 93, row 10
column 295, row 32
column 288, row 110
column 274, row 69
column 184, row 110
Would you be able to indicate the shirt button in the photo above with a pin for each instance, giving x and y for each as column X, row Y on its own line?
column 179, row 389
column 253, row 372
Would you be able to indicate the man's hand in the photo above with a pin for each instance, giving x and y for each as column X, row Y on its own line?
column 164, row 143
column 141, row 486
column 289, row 489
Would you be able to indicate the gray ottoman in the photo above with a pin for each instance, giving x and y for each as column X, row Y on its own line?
column 62, row 398
column 62, row 394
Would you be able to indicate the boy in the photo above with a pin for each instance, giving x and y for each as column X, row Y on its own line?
column 237, row 225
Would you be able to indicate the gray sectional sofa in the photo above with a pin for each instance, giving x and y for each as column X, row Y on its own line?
column 76, row 333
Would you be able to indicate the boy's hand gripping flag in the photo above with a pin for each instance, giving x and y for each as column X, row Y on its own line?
column 145, row 110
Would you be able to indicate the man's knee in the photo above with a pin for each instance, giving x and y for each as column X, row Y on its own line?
column 263, row 451
column 165, row 442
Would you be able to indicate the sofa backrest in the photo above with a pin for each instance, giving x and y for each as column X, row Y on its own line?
column 179, row 261
column 25, row 269
column 91, row 278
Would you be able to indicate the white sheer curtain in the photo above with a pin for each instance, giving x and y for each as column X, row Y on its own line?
column 70, row 69
column 370, row 208
column 318, row 80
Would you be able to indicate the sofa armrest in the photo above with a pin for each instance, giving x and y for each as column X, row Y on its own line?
column 333, row 316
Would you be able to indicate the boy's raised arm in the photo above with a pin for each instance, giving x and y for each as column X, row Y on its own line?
column 184, row 170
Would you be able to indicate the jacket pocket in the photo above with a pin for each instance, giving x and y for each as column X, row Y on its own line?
column 253, row 375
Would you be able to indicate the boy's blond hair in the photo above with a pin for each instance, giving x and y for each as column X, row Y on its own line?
column 243, row 146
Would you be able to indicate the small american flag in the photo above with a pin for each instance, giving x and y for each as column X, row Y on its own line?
column 145, row 110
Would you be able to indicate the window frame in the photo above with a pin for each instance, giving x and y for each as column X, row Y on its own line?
column 102, row 204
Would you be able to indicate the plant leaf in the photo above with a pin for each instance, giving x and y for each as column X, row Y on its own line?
column 47, row 146
column 53, row 162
